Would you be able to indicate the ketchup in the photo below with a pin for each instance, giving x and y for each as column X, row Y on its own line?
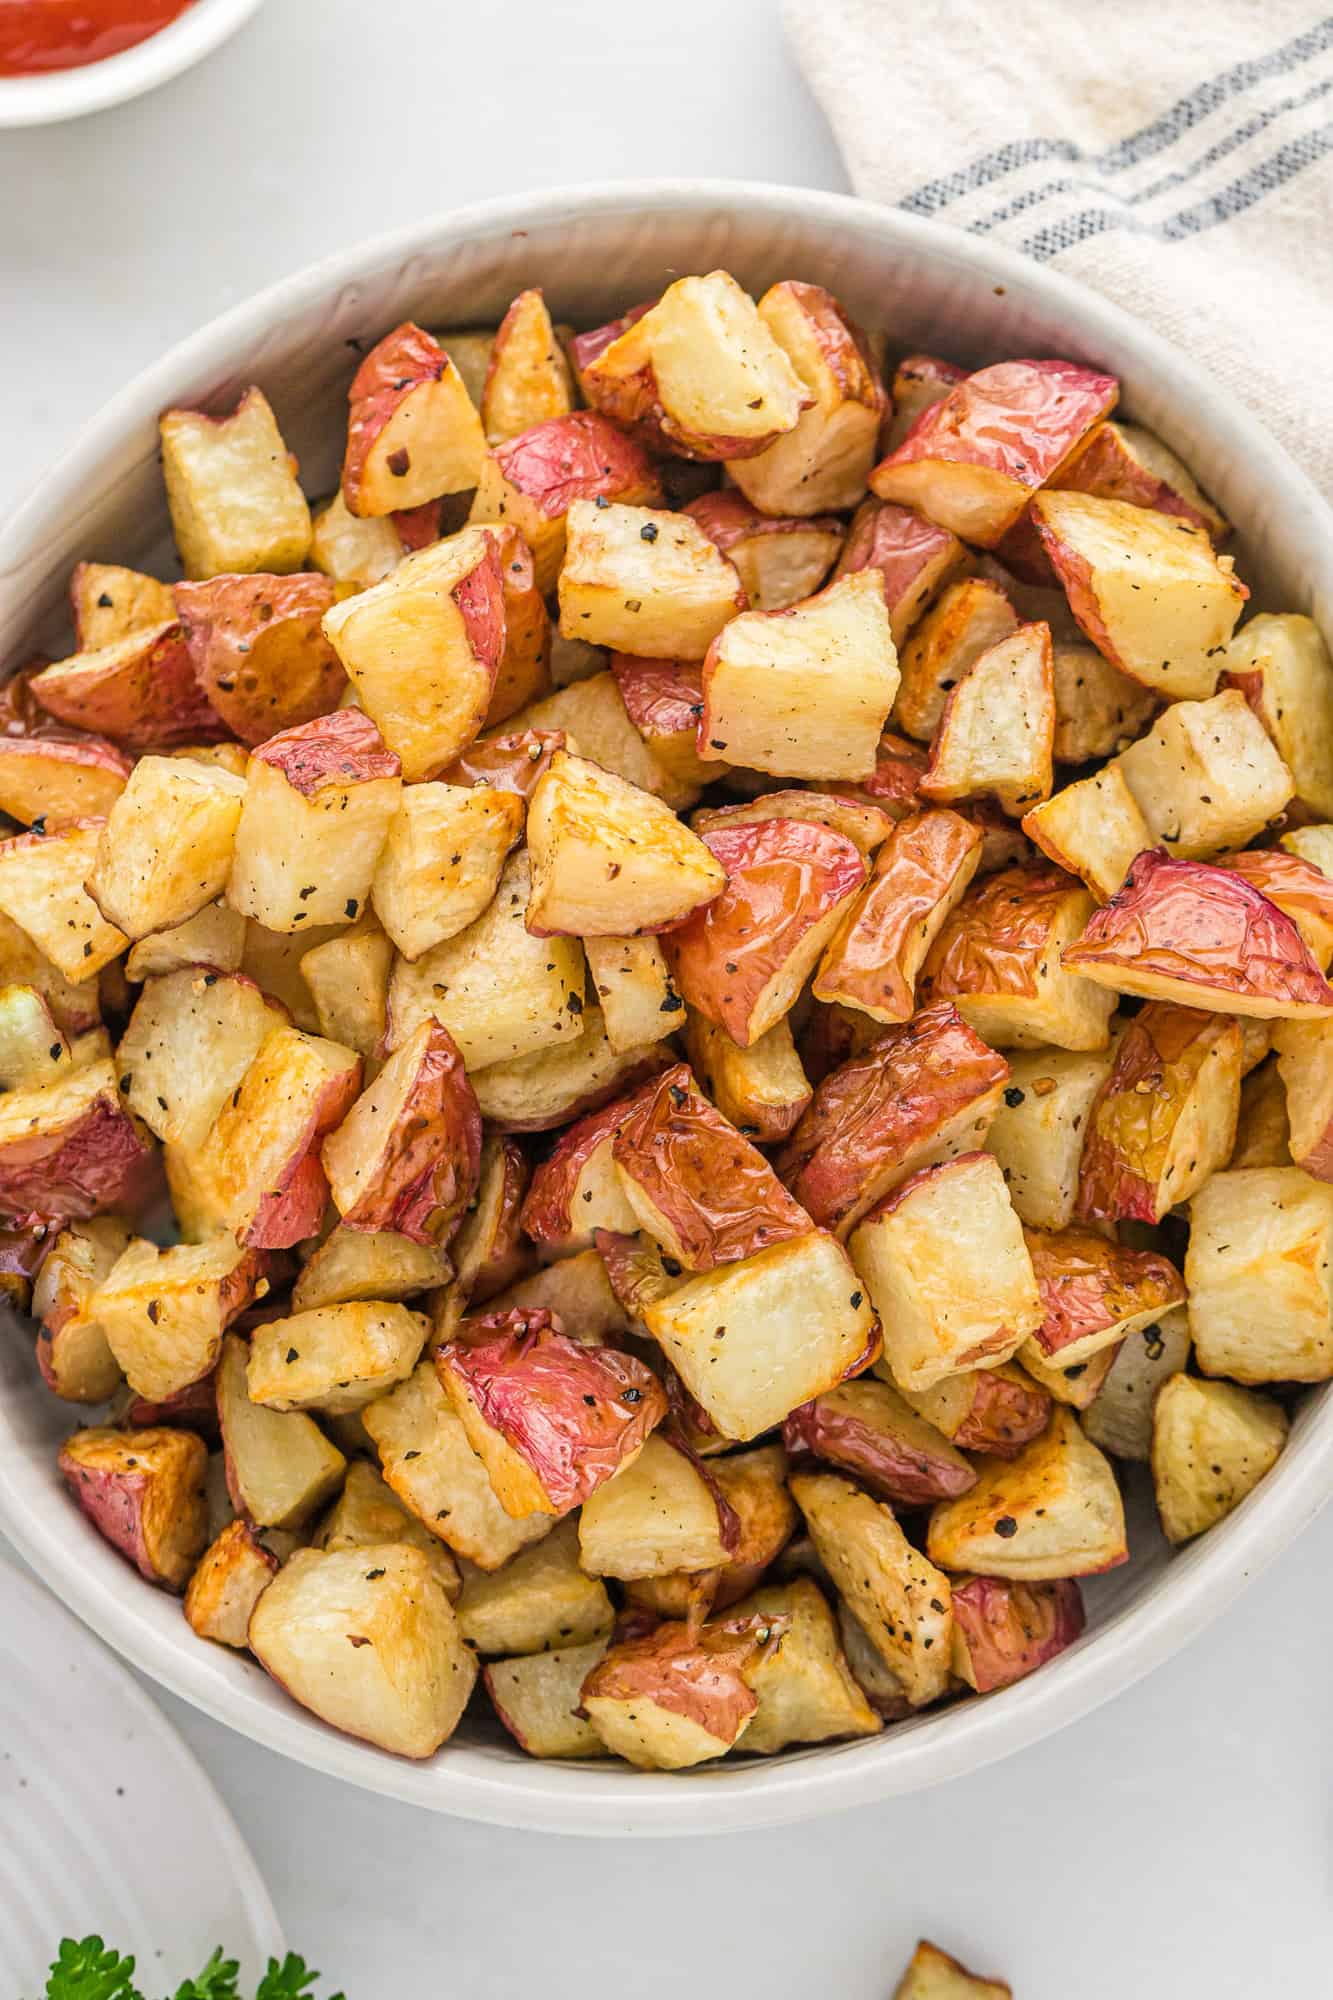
column 37, row 35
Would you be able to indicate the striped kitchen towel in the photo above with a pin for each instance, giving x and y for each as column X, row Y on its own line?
column 1179, row 162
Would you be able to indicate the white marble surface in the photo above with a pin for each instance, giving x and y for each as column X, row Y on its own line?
column 1172, row 1847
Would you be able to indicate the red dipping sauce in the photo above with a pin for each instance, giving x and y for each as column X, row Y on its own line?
column 41, row 35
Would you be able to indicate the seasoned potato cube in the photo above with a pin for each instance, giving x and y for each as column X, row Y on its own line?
column 1305, row 1065
column 140, row 691
column 403, row 1680
column 806, row 1690
column 664, row 700
column 353, row 552
column 43, row 779
column 70, row 1149
column 434, row 1471
column 1053, row 1511
column 763, row 1089
column 73, row 1352
column 1211, row 1445
column 1145, row 587
column 803, row 692
column 1038, row 1130
column 164, row 1312
column 867, row 1429
column 995, row 1410
column 489, row 1251
column 540, row 1600
column 1098, row 710
column 967, row 620
column 318, row 804
column 743, row 958
column 334, row 1358
column 679, row 1694
column 576, row 1190
column 347, row 978
column 921, row 874
column 1206, row 777
column 527, row 377
column 441, row 862
column 412, row 430
column 1124, row 462
column 635, row 988
column 779, row 561
column 355, row 1264
column 753, row 1485
column 700, row 370
column 1094, row 1293
column 914, row 557
column 423, row 648
column 593, row 713
column 258, row 651
column 867, row 826
column 608, row 858
column 41, row 890
column 573, row 1289
column 1258, row 1275
column 231, row 487
column 933, row 1975
column 1119, row 1418
column 1282, row 667
column 258, row 1171
column 753, row 1339
column 1186, row 931
column 948, row 1272
column 997, row 727
column 144, row 1492
column 408, row 1154
column 919, row 381
column 899, row 1597
column 191, row 1038
column 33, row 1051
column 1003, row 1631
column 550, row 1418
column 531, row 481
column 657, row 1517
column 1093, row 828
column 229, row 1580
column 693, row 1183
column 1164, row 1120
column 538, row 1698
column 1301, row 889
column 1077, row 1386
column 1001, row 958
column 974, row 459
column 109, row 602
column 500, row 992
column 824, row 462
column 281, row 1469
column 215, row 938
column 920, row 1093
column 532, row 1093
column 665, row 594
column 165, row 851
column 367, row 1511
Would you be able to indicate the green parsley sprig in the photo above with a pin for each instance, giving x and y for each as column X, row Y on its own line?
column 84, row 1969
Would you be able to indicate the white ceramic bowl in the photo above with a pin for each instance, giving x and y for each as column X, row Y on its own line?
column 597, row 250
column 50, row 97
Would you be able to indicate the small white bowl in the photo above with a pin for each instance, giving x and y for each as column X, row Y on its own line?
column 51, row 96
column 596, row 250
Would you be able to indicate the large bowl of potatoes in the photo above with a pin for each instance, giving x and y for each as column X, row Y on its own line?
column 667, row 1146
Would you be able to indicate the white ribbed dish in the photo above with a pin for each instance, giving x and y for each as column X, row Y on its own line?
column 596, row 250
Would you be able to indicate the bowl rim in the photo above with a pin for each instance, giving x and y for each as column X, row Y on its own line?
column 49, row 97
column 594, row 1798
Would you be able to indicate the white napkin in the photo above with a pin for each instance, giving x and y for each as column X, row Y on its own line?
column 1179, row 162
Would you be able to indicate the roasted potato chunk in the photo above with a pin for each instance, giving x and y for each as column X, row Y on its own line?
column 1205, row 777
column 1095, row 1293
column 1258, row 1275
column 1054, row 1511
column 334, row 1358
column 144, row 1493
column 679, row 1696
column 867, row 1429
column 1164, row 1119
column 665, row 594
column 441, row 861
column 1093, row 828
column 1211, row 1445
column 997, row 728
column 1003, row 957
column 806, row 1690
column 1119, row 1417
column 164, row 1312
column 967, row 619
column 660, row 1515
column 231, row 486
column 230, row 1578
column 541, row 1600
column 281, row 1469
column 1282, row 667
column 413, row 432
column 538, row 1698
column 921, row 873
column 1003, row 1631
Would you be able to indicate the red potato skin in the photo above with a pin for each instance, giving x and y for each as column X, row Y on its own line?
column 344, row 748
column 508, row 1257
column 89, row 770
column 579, row 457
column 895, row 782
column 430, row 1170
column 1133, row 1112
column 22, row 1254
column 114, row 1505
column 522, row 672
column 575, row 1414
column 21, row 714
column 1209, row 927
column 637, row 1274
column 512, row 763
column 728, row 518
column 417, row 527
column 637, row 1070
column 906, row 549
column 194, row 1408
column 1288, row 880
column 718, row 1194
column 1103, row 467
column 1009, row 1629
column 782, row 877
column 586, row 347
column 879, row 1105
column 547, row 1214
column 914, row 871
column 661, row 697
column 1021, row 419
column 229, row 619
column 398, row 364
column 103, row 1161
column 151, row 701
column 881, row 1461
column 480, row 598
column 922, row 379
column 698, row 1673
column 1005, row 1415
column 295, row 1210
column 1087, row 1283
column 992, row 942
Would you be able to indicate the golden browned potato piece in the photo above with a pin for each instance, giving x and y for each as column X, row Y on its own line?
column 1211, row 1445
column 1053, row 1511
